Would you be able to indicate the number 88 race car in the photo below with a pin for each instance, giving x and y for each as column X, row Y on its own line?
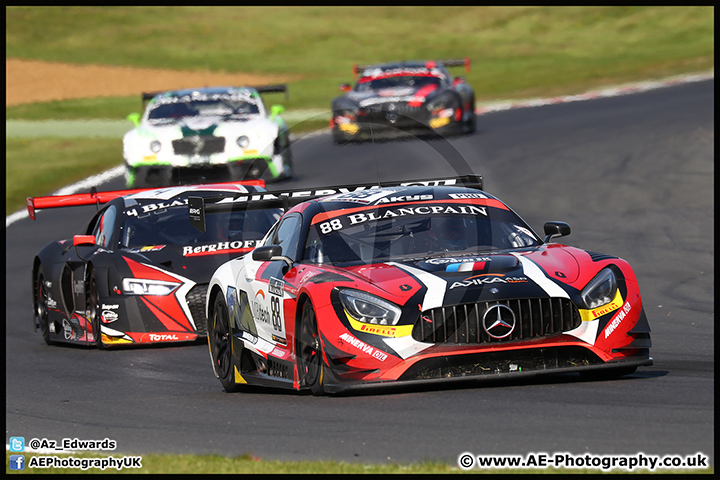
column 429, row 281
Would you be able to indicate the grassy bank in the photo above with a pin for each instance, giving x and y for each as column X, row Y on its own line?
column 249, row 464
column 516, row 52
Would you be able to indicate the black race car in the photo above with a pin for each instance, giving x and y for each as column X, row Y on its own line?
column 416, row 95
column 138, row 273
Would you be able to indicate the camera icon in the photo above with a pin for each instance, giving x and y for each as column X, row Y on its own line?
column 17, row 444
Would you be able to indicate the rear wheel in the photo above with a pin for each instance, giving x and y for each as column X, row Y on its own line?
column 41, row 305
column 220, row 343
column 309, row 351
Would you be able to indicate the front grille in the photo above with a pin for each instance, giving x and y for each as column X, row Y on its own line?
column 398, row 107
column 196, row 302
column 199, row 145
column 401, row 114
column 463, row 324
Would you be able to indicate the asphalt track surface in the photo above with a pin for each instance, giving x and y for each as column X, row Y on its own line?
column 632, row 175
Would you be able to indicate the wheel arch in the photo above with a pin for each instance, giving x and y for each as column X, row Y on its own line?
column 299, row 305
column 215, row 290
column 33, row 276
column 102, row 273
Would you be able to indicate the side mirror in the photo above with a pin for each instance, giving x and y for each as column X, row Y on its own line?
column 134, row 118
column 276, row 110
column 555, row 229
column 83, row 240
column 270, row 253
column 345, row 87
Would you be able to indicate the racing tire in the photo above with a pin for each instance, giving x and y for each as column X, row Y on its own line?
column 608, row 374
column 471, row 124
column 92, row 307
column 41, row 297
column 289, row 170
column 132, row 177
column 311, row 367
column 219, row 334
column 282, row 147
column 341, row 138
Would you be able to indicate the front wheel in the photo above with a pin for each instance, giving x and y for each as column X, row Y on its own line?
column 41, row 297
column 309, row 352
column 471, row 124
column 92, row 308
column 220, row 344
column 339, row 138
column 131, row 177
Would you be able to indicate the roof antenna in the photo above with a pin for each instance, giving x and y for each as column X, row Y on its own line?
column 93, row 193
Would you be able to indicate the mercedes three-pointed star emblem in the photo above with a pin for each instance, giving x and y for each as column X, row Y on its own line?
column 499, row 321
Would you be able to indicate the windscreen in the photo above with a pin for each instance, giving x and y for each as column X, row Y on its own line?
column 145, row 226
column 216, row 108
column 382, row 234
column 396, row 81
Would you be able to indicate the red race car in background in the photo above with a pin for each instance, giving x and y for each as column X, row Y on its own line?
column 427, row 281
column 137, row 274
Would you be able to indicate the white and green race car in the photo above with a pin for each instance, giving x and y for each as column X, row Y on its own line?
column 207, row 135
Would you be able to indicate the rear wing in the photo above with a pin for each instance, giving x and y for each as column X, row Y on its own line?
column 460, row 62
column 279, row 88
column 34, row 204
column 198, row 207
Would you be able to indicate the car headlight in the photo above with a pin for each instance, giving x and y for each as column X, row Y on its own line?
column 438, row 103
column 368, row 308
column 600, row 290
column 243, row 141
column 443, row 107
column 141, row 286
column 345, row 116
column 155, row 146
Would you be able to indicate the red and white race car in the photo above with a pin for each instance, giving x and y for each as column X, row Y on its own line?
column 427, row 281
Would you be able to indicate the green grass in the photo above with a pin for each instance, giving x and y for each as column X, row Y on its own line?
column 41, row 166
column 250, row 464
column 516, row 52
